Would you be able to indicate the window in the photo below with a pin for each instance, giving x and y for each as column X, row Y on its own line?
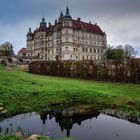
column 96, row 37
column 83, row 49
column 90, row 50
column 66, row 31
column 95, row 44
column 66, row 39
column 90, row 43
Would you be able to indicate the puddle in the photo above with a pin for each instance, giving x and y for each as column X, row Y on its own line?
column 79, row 123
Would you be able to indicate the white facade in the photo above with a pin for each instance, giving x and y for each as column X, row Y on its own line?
column 67, row 39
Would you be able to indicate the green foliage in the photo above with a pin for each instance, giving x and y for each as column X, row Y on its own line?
column 3, row 137
column 6, row 50
column 116, row 54
column 120, row 52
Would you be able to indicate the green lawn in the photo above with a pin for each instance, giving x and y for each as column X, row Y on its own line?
column 24, row 92
column 15, row 138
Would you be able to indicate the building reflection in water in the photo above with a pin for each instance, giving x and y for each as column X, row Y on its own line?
column 68, row 117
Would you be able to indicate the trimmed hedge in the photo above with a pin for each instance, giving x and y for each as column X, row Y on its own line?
column 115, row 71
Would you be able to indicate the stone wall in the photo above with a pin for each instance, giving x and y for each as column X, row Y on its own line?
column 115, row 71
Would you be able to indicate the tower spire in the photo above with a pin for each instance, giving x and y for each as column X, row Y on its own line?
column 67, row 15
column 67, row 9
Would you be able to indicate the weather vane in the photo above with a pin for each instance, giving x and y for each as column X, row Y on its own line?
column 43, row 9
column 67, row 2
column 43, row 13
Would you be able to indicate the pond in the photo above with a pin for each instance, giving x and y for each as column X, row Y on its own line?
column 79, row 123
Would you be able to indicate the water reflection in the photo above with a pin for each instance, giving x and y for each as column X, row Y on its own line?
column 81, row 122
column 68, row 117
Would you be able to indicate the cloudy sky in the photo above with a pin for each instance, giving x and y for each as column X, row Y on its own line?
column 120, row 19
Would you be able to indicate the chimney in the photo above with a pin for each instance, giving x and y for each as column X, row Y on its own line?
column 79, row 19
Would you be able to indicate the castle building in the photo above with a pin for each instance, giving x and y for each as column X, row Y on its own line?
column 67, row 39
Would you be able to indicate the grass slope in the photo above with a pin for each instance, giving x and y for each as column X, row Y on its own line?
column 3, row 137
column 24, row 92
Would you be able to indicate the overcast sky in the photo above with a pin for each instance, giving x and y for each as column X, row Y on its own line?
column 120, row 19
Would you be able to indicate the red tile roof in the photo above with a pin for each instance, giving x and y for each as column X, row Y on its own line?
column 88, row 27
column 76, row 24
column 23, row 51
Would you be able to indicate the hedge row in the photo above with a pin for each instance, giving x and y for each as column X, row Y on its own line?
column 116, row 71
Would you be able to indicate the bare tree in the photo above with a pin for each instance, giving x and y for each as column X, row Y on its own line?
column 129, row 51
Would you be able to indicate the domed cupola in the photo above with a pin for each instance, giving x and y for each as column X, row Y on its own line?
column 43, row 23
column 29, row 34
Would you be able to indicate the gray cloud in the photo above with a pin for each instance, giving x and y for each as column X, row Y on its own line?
column 118, row 18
